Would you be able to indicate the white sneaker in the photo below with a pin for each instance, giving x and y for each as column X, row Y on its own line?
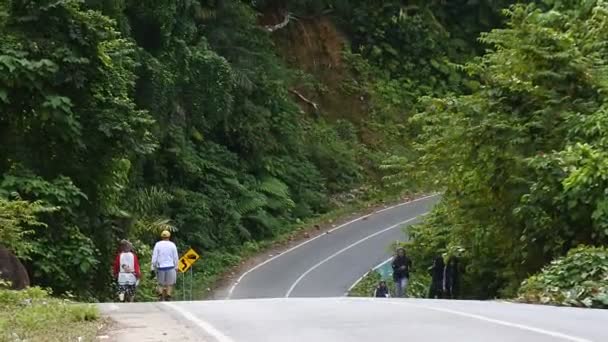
column 121, row 297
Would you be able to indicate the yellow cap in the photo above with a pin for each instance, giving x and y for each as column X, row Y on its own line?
column 165, row 234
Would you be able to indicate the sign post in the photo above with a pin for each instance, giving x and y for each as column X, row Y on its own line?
column 191, row 280
column 185, row 265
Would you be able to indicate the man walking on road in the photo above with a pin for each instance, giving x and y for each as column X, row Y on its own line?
column 401, row 272
column 164, row 263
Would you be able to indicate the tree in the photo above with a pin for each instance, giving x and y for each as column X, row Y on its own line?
column 67, row 124
column 520, row 157
column 17, row 218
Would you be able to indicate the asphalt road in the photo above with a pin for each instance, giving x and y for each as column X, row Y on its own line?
column 328, row 265
column 355, row 320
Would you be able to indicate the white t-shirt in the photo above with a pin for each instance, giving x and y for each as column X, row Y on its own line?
column 164, row 255
column 126, row 275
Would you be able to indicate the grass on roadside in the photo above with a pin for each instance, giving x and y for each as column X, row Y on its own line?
column 417, row 288
column 33, row 315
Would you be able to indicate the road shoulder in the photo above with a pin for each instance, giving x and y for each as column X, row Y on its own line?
column 146, row 322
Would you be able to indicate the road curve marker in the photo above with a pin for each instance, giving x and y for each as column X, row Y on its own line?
column 321, row 235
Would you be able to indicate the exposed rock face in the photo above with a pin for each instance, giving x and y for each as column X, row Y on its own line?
column 12, row 270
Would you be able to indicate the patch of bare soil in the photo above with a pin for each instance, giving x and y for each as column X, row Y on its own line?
column 316, row 45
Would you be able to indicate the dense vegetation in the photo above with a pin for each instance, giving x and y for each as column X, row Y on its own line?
column 578, row 279
column 121, row 118
column 522, row 156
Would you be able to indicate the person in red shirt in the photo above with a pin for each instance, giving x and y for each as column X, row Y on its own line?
column 126, row 272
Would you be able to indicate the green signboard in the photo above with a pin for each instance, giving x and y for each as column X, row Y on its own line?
column 385, row 270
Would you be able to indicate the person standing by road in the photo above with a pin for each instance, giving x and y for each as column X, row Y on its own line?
column 451, row 278
column 382, row 290
column 126, row 272
column 437, row 284
column 401, row 272
column 164, row 263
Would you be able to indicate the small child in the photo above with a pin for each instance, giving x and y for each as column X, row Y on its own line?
column 382, row 290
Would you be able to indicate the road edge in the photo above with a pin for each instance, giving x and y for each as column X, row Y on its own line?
column 306, row 241
column 220, row 287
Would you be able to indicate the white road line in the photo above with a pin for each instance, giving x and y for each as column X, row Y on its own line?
column 404, row 203
column 364, row 275
column 318, row 236
column 206, row 326
column 499, row 322
column 293, row 286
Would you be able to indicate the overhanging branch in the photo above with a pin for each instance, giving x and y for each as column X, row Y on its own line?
column 286, row 19
column 298, row 94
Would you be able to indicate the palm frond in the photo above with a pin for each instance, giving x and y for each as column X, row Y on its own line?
column 147, row 227
column 148, row 201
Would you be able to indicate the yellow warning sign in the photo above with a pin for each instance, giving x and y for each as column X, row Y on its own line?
column 187, row 260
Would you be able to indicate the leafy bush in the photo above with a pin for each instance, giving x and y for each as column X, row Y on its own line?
column 521, row 158
column 130, row 117
column 33, row 315
column 186, row 106
column 365, row 287
column 332, row 150
column 578, row 279
column 418, row 286
column 17, row 217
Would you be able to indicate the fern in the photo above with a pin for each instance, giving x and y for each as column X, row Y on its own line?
column 274, row 187
column 146, row 228
column 276, row 190
column 252, row 203
column 244, row 233
column 242, row 79
column 149, row 200
column 234, row 183
column 264, row 220
column 277, row 204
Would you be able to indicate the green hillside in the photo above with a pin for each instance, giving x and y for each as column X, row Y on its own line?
column 232, row 122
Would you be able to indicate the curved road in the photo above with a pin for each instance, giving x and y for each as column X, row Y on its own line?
column 326, row 266
column 353, row 320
